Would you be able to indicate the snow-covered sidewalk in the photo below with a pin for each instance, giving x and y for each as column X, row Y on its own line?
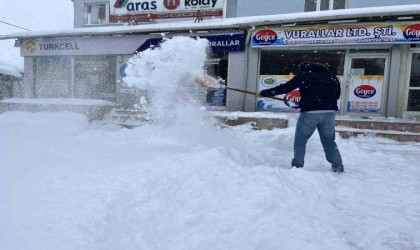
column 66, row 183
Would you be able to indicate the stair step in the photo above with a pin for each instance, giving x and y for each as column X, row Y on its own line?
column 402, row 136
column 380, row 124
column 127, row 117
column 130, row 112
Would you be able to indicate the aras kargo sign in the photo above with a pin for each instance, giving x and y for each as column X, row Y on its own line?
column 128, row 10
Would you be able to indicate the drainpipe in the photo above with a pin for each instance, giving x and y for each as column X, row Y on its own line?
column 247, row 41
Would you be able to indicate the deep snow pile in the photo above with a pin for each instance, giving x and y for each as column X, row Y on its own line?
column 68, row 184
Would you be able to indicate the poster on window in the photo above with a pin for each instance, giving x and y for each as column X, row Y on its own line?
column 365, row 94
column 291, row 99
column 268, row 104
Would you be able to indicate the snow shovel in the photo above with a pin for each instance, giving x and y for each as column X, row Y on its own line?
column 212, row 83
column 249, row 92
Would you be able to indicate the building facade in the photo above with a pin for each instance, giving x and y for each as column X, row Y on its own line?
column 374, row 51
column 92, row 13
column 377, row 63
column 92, row 67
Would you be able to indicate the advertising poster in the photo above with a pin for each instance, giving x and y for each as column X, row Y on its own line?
column 268, row 104
column 125, row 10
column 365, row 94
column 355, row 33
column 291, row 99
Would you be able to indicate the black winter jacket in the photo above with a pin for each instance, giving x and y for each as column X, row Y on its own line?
column 319, row 88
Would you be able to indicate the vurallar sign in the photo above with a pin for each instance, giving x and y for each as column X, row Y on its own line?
column 357, row 33
column 126, row 10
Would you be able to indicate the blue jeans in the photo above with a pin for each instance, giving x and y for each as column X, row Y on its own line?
column 325, row 124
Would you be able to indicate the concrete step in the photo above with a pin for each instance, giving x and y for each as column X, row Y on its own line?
column 128, row 118
column 401, row 136
column 129, row 112
column 256, row 122
column 393, row 124
column 402, row 130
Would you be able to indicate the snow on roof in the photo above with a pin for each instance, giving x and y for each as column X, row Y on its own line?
column 7, row 69
column 237, row 22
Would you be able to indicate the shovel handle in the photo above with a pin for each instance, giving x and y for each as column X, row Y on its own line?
column 252, row 93
column 213, row 83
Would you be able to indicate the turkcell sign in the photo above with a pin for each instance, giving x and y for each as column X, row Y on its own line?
column 218, row 43
column 32, row 47
column 355, row 33
column 58, row 46
column 127, row 7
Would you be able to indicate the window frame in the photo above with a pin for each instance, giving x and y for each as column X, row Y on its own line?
column 407, row 83
column 292, row 67
column 54, row 73
column 318, row 5
column 86, row 14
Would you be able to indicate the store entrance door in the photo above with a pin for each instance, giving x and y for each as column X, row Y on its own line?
column 366, row 85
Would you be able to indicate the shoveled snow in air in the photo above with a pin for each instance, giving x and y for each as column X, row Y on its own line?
column 186, row 183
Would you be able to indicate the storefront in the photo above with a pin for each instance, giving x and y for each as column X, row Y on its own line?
column 93, row 67
column 370, row 59
column 378, row 62
column 412, row 95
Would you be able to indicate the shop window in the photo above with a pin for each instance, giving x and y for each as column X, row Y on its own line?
column 287, row 62
column 317, row 5
column 52, row 76
column 413, row 102
column 94, row 77
column 217, row 66
column 279, row 66
column 370, row 66
column 96, row 13
column 368, row 51
column 5, row 86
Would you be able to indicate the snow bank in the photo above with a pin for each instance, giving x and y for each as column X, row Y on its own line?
column 66, row 183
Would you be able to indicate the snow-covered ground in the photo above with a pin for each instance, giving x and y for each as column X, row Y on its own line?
column 66, row 183
column 184, row 182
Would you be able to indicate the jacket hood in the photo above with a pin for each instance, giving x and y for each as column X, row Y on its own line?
column 313, row 67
